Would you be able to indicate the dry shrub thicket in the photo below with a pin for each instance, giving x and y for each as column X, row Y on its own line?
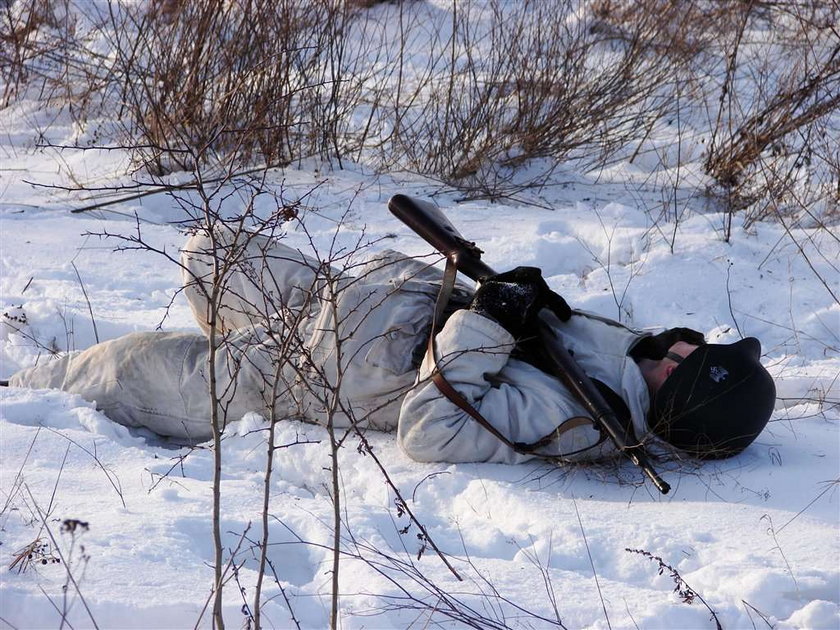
column 765, row 79
column 501, row 93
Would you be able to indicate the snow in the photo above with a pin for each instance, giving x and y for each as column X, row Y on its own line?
column 760, row 528
column 756, row 536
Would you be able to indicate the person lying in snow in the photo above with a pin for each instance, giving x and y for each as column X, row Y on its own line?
column 369, row 334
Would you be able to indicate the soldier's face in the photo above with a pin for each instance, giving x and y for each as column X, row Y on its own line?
column 666, row 366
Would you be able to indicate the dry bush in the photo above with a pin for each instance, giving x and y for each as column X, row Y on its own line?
column 209, row 77
column 782, row 83
column 38, row 45
column 765, row 76
column 269, row 81
column 797, row 181
column 516, row 82
column 496, row 88
column 502, row 83
column 20, row 24
column 773, row 154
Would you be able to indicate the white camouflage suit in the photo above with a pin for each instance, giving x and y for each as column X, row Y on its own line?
column 159, row 380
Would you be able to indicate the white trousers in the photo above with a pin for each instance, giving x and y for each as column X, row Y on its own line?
column 294, row 338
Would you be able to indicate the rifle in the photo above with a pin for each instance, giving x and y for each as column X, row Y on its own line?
column 434, row 227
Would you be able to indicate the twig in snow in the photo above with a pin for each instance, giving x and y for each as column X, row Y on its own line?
column 778, row 547
column 70, row 576
column 87, row 301
column 402, row 505
column 52, row 349
column 283, row 593
column 686, row 593
column 829, row 485
column 758, row 612
column 16, row 484
column 112, row 478
column 224, row 578
column 37, row 552
column 592, row 564
column 546, row 576
column 729, row 300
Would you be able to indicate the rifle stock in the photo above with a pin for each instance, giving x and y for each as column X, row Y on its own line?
column 434, row 227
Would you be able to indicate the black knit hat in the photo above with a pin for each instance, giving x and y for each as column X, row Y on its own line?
column 716, row 402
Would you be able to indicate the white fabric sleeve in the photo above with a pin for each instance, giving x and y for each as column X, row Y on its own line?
column 519, row 400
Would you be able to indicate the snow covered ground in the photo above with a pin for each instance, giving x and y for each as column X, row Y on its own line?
column 128, row 514
column 755, row 536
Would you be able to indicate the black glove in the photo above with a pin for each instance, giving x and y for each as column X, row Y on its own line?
column 656, row 346
column 514, row 298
